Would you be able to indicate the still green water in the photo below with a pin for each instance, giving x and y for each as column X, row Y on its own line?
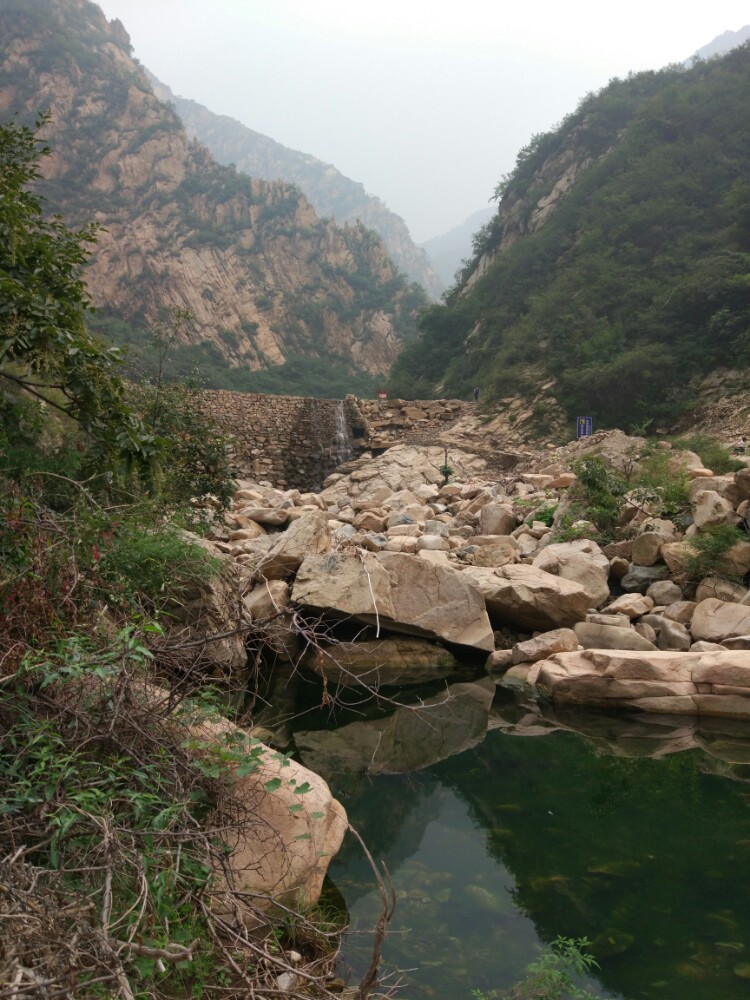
column 500, row 848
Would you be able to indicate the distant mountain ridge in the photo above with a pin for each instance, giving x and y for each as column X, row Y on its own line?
column 266, row 281
column 329, row 192
column 448, row 251
column 724, row 43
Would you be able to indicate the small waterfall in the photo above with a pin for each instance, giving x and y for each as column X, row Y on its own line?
column 341, row 450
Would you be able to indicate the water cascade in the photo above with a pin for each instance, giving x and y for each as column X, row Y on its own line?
column 341, row 449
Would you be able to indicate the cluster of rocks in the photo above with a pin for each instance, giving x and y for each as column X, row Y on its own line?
column 399, row 572
column 421, row 570
column 400, row 421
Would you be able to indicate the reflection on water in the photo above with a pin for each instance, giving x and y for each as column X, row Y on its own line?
column 612, row 834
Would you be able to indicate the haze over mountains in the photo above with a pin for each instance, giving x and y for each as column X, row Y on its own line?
column 330, row 193
column 268, row 283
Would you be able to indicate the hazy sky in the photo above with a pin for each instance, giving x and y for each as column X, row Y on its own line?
column 426, row 102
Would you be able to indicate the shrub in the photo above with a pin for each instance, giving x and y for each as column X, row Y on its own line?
column 713, row 454
column 712, row 545
column 665, row 491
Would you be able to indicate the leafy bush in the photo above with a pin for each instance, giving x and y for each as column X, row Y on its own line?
column 712, row 545
column 663, row 490
column 713, row 454
column 602, row 491
column 553, row 975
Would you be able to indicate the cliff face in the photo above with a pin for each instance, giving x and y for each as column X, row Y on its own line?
column 329, row 191
column 263, row 277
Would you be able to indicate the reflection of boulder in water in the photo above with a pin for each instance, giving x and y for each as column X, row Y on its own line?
column 409, row 739
column 723, row 741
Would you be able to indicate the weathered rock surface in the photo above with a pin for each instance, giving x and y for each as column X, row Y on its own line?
column 714, row 620
column 582, row 562
column 529, row 598
column 398, row 661
column 703, row 683
column 400, row 592
column 273, row 850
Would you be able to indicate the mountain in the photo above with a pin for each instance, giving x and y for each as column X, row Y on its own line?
column 329, row 191
column 271, row 288
column 449, row 251
column 618, row 265
column 724, row 43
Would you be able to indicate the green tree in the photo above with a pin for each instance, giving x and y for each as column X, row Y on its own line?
column 46, row 351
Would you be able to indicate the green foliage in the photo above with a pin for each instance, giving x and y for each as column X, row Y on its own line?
column 662, row 490
column 713, row 454
column 554, row 975
column 711, row 546
column 602, row 491
column 46, row 352
column 638, row 279
column 545, row 514
column 112, row 811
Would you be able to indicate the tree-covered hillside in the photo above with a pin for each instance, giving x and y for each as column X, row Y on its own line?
column 619, row 261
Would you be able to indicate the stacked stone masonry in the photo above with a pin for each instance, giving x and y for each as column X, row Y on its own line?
column 297, row 441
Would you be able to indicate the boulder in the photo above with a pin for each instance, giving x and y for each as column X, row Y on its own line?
column 715, row 620
column 664, row 592
column 639, row 578
column 709, row 508
column 400, row 592
column 632, row 605
column 673, row 635
column 499, row 553
column 529, row 598
column 271, row 516
column 496, row 519
column 647, row 547
column 308, row 534
column 561, row 640
column 680, row 611
column 275, row 849
column 397, row 661
column 593, row 636
column 581, row 561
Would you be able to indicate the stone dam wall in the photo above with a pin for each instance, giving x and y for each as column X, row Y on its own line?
column 298, row 440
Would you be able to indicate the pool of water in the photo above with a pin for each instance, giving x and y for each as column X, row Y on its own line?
column 500, row 848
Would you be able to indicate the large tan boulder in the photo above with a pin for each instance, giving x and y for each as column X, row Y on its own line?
column 307, row 535
column 594, row 636
column 714, row 620
column 581, row 561
column 668, row 682
column 709, row 509
column 496, row 519
column 381, row 662
column 528, row 598
column 647, row 547
column 402, row 593
column 559, row 640
column 280, row 822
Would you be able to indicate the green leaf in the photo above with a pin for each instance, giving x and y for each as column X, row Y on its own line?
column 272, row 785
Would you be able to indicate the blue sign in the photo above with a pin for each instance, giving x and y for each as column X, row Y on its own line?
column 584, row 427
